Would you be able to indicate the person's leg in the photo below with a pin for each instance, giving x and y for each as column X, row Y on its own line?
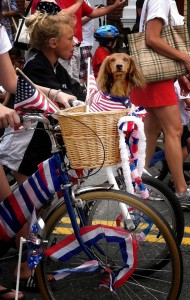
column 170, row 121
column 25, row 272
column 5, row 192
column 75, row 63
column 5, row 189
column 184, row 153
column 9, row 293
column 152, row 129
column 85, row 54
column 184, row 142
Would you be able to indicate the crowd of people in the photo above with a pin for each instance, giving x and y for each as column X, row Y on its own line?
column 60, row 43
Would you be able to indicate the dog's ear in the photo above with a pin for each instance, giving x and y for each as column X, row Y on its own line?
column 104, row 75
column 136, row 77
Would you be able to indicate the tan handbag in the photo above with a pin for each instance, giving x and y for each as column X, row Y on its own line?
column 154, row 66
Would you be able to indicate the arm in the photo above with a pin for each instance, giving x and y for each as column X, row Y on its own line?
column 8, row 77
column 154, row 41
column 8, row 117
column 98, row 12
column 73, row 8
column 85, row 20
column 10, row 13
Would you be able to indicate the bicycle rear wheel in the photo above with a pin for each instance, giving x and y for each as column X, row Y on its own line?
column 162, row 199
column 166, row 202
column 104, row 208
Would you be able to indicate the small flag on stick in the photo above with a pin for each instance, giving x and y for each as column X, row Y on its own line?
column 28, row 96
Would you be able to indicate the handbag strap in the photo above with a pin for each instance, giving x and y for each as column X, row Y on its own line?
column 23, row 21
column 28, row 9
column 146, row 13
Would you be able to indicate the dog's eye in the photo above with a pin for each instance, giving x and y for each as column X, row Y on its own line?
column 112, row 60
column 126, row 59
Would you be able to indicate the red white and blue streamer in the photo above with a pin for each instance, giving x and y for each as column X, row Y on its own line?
column 132, row 142
column 33, row 193
column 67, row 248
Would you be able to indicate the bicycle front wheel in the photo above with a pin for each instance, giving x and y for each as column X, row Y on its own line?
column 104, row 208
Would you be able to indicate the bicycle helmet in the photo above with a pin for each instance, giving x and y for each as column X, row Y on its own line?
column 106, row 32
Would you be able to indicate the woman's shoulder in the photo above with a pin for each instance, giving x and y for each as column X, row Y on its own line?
column 156, row 9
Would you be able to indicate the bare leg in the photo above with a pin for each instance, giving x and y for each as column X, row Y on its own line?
column 25, row 272
column 11, row 294
column 4, row 185
column 5, row 192
column 170, row 121
column 184, row 153
column 152, row 129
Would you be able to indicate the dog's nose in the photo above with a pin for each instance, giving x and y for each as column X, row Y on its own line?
column 119, row 67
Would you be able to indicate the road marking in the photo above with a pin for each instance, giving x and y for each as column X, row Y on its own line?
column 150, row 238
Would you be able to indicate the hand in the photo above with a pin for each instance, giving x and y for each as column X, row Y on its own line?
column 8, row 117
column 184, row 85
column 120, row 3
column 63, row 99
column 76, row 103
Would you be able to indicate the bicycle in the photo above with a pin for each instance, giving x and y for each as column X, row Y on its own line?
column 162, row 199
column 115, row 211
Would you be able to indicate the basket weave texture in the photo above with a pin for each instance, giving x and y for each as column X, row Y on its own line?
column 88, row 135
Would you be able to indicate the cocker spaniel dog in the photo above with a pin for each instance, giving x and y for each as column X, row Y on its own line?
column 117, row 75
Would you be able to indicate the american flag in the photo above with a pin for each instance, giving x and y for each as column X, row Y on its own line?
column 102, row 101
column 28, row 97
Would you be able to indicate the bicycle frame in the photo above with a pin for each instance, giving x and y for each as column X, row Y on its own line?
column 71, row 202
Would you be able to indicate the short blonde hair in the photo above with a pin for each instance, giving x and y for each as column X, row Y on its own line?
column 42, row 27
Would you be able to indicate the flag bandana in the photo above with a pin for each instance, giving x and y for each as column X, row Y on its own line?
column 69, row 247
column 28, row 97
column 33, row 193
column 103, row 101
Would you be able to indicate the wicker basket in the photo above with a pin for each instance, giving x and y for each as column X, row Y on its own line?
column 88, row 135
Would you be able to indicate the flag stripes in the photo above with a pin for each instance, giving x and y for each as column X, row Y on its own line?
column 28, row 97
column 18, row 207
column 69, row 246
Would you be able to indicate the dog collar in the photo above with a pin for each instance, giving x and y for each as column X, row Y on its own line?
column 125, row 100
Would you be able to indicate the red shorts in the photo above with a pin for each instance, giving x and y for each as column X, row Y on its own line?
column 155, row 94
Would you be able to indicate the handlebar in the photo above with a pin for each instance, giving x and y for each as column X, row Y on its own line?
column 33, row 118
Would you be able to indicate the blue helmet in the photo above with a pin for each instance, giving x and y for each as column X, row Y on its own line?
column 106, row 32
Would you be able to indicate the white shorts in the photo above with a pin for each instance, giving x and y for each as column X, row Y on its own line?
column 23, row 151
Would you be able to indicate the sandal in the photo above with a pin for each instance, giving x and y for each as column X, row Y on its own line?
column 6, row 291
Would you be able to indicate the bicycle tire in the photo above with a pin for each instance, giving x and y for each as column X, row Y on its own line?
column 137, row 286
column 186, row 171
column 166, row 202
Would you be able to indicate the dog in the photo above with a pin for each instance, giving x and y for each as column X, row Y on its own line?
column 117, row 75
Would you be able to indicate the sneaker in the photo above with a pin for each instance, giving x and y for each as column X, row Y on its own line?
column 184, row 198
